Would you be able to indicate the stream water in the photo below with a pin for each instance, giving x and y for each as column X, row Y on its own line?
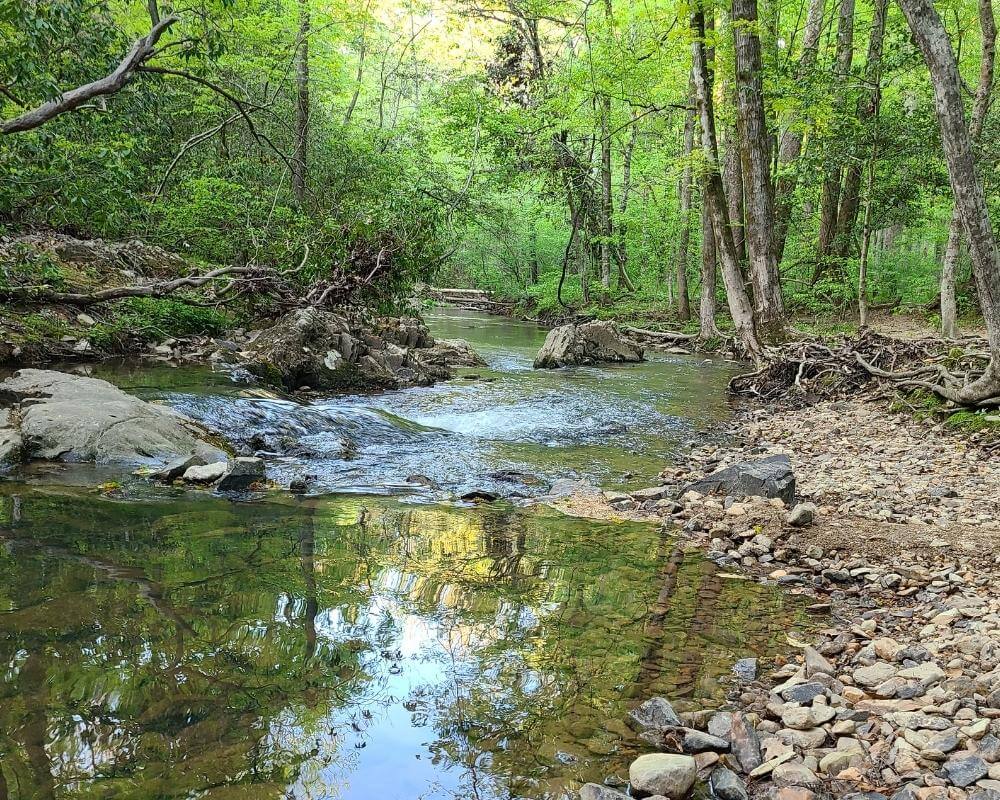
column 360, row 642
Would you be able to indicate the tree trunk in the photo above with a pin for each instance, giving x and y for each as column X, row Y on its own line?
column 621, row 232
column 300, row 155
column 868, row 106
column 980, row 106
column 732, row 180
column 790, row 147
column 932, row 38
column 605, row 226
column 714, row 194
column 830, row 193
column 683, row 299
column 756, row 159
column 707, row 328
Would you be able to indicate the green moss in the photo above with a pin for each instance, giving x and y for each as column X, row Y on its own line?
column 922, row 404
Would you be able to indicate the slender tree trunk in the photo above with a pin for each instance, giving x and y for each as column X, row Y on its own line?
column 952, row 253
column 300, row 155
column 621, row 232
column 707, row 328
column 533, row 264
column 790, row 148
column 932, row 38
column 756, row 159
column 868, row 106
column 683, row 298
column 830, row 193
column 606, row 226
column 980, row 107
column 739, row 303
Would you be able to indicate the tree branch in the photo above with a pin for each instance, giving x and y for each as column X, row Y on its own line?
column 140, row 52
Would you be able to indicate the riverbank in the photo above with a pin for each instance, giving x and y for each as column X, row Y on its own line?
column 897, row 544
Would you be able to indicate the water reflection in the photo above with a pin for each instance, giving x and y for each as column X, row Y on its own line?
column 341, row 647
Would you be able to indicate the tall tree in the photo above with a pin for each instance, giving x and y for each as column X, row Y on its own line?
column 740, row 308
column 301, row 152
column 970, row 200
column 790, row 146
column 980, row 107
column 684, row 194
column 756, row 160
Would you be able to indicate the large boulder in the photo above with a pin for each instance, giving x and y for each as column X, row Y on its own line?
column 768, row 477
column 587, row 343
column 56, row 415
column 341, row 352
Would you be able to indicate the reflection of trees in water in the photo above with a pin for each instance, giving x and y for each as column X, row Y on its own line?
column 167, row 686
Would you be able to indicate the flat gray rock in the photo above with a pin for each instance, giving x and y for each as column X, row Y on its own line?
column 769, row 477
column 60, row 416
column 585, row 344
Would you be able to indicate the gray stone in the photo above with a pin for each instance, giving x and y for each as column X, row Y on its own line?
column 745, row 669
column 965, row 771
column 206, row 473
column 176, row 468
column 803, row 514
column 803, row 692
column 792, row 773
column 73, row 418
column 744, row 742
column 11, row 445
column 727, row 785
column 769, row 477
column 817, row 663
column 872, row 676
column 721, row 724
column 587, row 343
column 698, row 742
column 596, row 791
column 242, row 474
column 808, row 739
column 663, row 773
column 653, row 714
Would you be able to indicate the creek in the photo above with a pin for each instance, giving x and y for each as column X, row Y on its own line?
column 373, row 639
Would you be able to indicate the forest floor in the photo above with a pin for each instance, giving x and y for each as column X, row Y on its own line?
column 897, row 547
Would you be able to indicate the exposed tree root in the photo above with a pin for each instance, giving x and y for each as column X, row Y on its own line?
column 959, row 372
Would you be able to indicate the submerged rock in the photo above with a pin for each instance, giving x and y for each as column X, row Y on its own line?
column 330, row 351
column 241, row 475
column 56, row 415
column 588, row 343
column 769, row 477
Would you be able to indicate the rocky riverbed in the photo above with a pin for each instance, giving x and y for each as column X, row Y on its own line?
column 893, row 536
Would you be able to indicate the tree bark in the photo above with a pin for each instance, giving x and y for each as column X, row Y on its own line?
column 621, row 232
column 301, row 154
column 606, row 227
column 868, row 106
column 932, row 38
column 790, row 147
column 714, row 195
column 683, row 298
column 756, row 159
column 707, row 328
column 830, row 193
column 980, row 107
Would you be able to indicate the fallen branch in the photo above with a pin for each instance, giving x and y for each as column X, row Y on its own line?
column 46, row 294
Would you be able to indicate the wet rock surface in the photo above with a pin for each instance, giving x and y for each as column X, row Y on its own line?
column 309, row 348
column 58, row 416
column 585, row 344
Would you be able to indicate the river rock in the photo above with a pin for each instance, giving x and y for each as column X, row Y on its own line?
column 803, row 514
column 770, row 477
column 597, row 791
column 653, row 714
column 587, row 343
column 241, row 475
column 744, row 743
column 10, row 439
column 56, row 415
column 205, row 473
column 343, row 352
column 176, row 468
column 727, row 785
column 667, row 774
column 792, row 773
column 965, row 771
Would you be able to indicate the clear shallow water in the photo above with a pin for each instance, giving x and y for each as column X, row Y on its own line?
column 354, row 646
column 615, row 425
column 343, row 647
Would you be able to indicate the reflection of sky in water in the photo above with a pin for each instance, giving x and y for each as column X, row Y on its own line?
column 486, row 652
column 610, row 424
